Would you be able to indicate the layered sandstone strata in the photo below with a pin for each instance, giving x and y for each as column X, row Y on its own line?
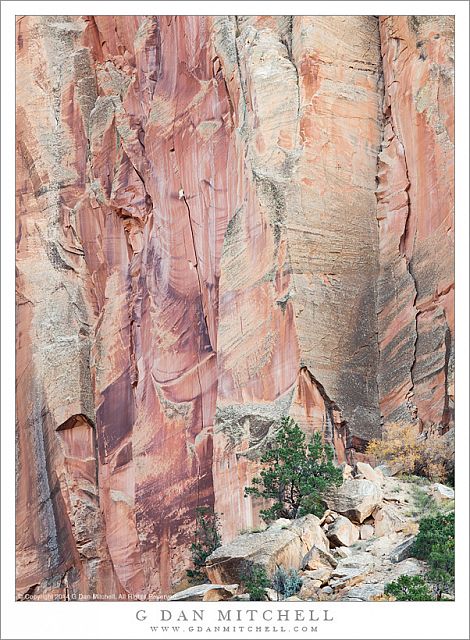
column 219, row 221
column 415, row 209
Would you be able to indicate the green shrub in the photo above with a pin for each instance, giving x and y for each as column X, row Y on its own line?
column 435, row 544
column 286, row 583
column 423, row 502
column 256, row 582
column 207, row 539
column 421, row 481
column 296, row 474
column 409, row 588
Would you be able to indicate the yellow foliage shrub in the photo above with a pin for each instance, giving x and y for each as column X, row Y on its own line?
column 403, row 446
column 410, row 528
column 399, row 446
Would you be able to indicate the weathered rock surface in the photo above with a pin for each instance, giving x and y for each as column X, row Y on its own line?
column 388, row 470
column 364, row 592
column 272, row 595
column 202, row 248
column 283, row 544
column 415, row 286
column 365, row 471
column 206, row 593
column 318, row 558
column 355, row 499
column 388, row 519
column 366, row 531
column 403, row 550
column 322, row 574
column 342, row 533
column 309, row 589
column 351, row 571
column 440, row 492
column 347, row 471
column 342, row 552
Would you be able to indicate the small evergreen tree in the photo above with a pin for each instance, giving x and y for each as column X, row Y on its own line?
column 296, row 474
column 207, row 539
column 256, row 582
column 409, row 588
column 435, row 544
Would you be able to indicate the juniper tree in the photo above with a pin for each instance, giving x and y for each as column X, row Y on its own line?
column 207, row 539
column 256, row 582
column 435, row 544
column 296, row 473
column 409, row 588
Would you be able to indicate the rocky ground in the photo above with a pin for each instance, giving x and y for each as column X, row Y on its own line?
column 361, row 543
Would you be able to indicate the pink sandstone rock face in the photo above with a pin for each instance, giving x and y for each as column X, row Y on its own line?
column 220, row 220
column 415, row 202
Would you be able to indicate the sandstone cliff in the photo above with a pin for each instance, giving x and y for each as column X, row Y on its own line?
column 219, row 221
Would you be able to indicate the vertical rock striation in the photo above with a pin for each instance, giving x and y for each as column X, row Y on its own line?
column 298, row 328
column 415, row 303
column 220, row 220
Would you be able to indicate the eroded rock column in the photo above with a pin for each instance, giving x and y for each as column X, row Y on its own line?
column 298, row 327
column 415, row 213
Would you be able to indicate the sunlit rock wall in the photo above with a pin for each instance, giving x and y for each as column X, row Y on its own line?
column 220, row 221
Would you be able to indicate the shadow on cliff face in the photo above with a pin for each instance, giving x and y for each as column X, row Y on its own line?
column 66, row 548
column 357, row 386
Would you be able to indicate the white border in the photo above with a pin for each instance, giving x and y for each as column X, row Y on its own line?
column 116, row 620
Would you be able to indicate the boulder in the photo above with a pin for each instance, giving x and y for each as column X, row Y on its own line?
column 317, row 558
column 383, row 547
column 364, row 470
column 361, row 560
column 364, row 592
column 355, row 499
column 387, row 520
column 272, row 595
column 280, row 523
column 380, row 474
column 343, row 552
column 309, row 589
column 348, row 578
column 219, row 594
column 409, row 567
column 328, row 517
column 351, row 571
column 327, row 590
column 366, row 531
column 389, row 469
column 342, row 532
column 284, row 543
column 206, row 593
column 347, row 470
column 440, row 492
column 323, row 574
column 402, row 551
